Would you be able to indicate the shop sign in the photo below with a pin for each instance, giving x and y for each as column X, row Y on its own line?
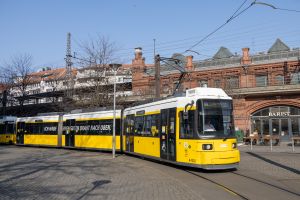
column 279, row 114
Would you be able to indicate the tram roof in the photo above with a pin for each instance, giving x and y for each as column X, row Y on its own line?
column 7, row 118
column 191, row 94
column 96, row 114
column 33, row 119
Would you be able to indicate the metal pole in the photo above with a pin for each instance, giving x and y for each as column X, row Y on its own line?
column 271, row 141
column 115, row 69
column 114, row 120
column 154, row 49
column 60, row 130
column 293, row 145
column 157, row 76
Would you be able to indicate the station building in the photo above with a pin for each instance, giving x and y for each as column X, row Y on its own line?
column 265, row 87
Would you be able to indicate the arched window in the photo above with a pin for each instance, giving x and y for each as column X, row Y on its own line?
column 283, row 121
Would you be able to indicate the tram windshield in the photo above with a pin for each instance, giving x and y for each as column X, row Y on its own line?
column 214, row 118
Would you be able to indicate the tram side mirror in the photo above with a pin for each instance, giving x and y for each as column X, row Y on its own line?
column 185, row 111
column 185, row 115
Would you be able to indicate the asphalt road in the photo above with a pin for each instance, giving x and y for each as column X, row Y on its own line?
column 43, row 173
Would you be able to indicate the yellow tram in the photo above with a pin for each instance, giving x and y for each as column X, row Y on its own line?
column 91, row 130
column 7, row 129
column 38, row 130
column 192, row 130
column 195, row 129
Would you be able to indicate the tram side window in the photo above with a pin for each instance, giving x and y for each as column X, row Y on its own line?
column 49, row 128
column 129, row 124
column 94, row 127
column 187, row 125
column 151, row 125
column 2, row 131
column 29, row 128
column 139, row 125
column 10, row 128
column 118, row 126
column 35, row 128
column 38, row 128
column 83, row 127
column 97, row 127
column 148, row 120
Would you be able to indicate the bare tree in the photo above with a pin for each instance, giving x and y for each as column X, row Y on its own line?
column 95, row 79
column 16, row 76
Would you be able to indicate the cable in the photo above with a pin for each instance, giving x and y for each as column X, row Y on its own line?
column 169, row 46
column 177, row 44
column 288, row 10
column 238, row 9
column 229, row 20
column 274, row 7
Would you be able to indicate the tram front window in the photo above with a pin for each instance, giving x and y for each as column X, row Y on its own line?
column 215, row 118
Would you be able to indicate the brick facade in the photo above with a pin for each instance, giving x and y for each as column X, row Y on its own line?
column 254, row 81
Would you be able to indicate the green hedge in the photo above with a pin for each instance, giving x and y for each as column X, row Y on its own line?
column 239, row 135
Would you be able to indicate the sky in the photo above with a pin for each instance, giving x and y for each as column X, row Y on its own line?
column 40, row 27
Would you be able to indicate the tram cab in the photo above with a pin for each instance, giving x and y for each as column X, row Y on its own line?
column 7, row 129
column 196, row 130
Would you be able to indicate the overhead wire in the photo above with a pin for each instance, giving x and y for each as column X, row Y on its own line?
column 276, row 8
column 288, row 10
column 177, row 43
column 235, row 15
column 224, row 38
column 165, row 47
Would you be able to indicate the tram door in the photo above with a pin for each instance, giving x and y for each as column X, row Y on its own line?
column 20, row 132
column 129, row 127
column 168, row 134
column 70, row 133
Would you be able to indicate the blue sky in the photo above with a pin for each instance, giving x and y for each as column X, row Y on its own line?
column 39, row 27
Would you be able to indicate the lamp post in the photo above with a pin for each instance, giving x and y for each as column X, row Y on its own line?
column 115, row 67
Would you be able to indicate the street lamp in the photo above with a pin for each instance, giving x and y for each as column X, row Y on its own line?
column 115, row 67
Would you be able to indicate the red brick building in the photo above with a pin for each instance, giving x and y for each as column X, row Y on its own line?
column 265, row 86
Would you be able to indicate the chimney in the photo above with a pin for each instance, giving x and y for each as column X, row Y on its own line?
column 189, row 64
column 138, row 60
column 246, row 57
column 138, row 53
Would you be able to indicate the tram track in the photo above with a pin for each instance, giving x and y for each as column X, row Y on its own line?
column 266, row 183
column 218, row 184
column 218, row 179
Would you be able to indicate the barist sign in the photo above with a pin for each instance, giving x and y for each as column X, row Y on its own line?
column 279, row 114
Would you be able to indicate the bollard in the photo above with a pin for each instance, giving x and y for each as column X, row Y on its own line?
column 293, row 144
column 271, row 143
column 251, row 142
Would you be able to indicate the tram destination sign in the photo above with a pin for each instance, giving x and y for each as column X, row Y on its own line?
column 279, row 114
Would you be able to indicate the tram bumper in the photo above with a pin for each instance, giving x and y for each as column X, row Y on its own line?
column 220, row 160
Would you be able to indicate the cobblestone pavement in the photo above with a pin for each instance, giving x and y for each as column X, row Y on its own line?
column 281, row 165
column 43, row 173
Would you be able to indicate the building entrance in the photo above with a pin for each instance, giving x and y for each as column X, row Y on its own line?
column 279, row 121
column 281, row 128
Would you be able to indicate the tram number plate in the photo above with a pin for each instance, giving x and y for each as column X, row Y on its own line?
column 223, row 145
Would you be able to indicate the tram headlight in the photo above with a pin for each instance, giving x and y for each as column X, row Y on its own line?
column 207, row 146
column 234, row 145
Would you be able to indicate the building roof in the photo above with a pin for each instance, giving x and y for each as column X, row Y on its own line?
column 223, row 52
column 278, row 46
column 49, row 75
